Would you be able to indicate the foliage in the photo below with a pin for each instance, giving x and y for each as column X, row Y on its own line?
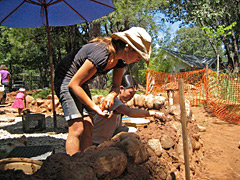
column 103, row 92
column 25, row 51
column 166, row 62
column 42, row 94
column 193, row 41
column 216, row 16
column 221, row 31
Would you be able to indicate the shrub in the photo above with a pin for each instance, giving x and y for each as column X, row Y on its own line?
column 42, row 94
column 103, row 92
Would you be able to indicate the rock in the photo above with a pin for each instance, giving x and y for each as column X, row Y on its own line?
column 196, row 136
column 158, row 102
column 176, row 111
column 139, row 100
column 201, row 128
column 123, row 135
column 29, row 99
column 167, row 141
column 136, row 98
column 156, row 146
column 49, row 106
column 196, row 146
column 149, row 101
column 11, row 119
column 134, row 149
column 50, row 96
column 130, row 103
column 110, row 163
column 179, row 148
column 40, row 102
column 97, row 99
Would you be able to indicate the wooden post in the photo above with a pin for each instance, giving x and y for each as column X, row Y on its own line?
column 217, row 66
column 147, row 83
column 30, row 78
column 206, row 83
column 184, row 128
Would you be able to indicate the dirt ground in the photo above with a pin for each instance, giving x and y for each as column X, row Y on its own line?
column 221, row 146
column 221, row 141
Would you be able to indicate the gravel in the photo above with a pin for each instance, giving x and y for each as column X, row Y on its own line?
column 12, row 134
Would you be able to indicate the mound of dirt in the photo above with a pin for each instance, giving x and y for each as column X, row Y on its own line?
column 155, row 151
column 213, row 151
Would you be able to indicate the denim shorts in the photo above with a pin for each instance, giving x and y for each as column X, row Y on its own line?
column 5, row 89
column 72, row 107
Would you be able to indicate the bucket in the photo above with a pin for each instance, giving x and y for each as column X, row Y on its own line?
column 33, row 122
column 28, row 166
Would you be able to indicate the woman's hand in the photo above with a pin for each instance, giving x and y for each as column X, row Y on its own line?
column 107, row 102
column 101, row 112
column 158, row 115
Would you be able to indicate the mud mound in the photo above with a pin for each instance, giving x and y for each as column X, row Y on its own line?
column 154, row 152
column 120, row 158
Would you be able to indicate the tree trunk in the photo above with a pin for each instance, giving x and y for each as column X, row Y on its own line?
column 95, row 30
column 99, row 82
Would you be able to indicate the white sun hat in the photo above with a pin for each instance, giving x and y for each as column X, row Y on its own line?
column 138, row 39
column 21, row 89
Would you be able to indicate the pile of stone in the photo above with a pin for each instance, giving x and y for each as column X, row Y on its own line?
column 157, row 102
column 154, row 152
column 120, row 158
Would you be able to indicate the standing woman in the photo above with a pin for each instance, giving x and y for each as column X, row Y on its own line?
column 5, row 81
column 75, row 71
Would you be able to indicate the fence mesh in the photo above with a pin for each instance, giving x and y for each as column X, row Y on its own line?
column 220, row 92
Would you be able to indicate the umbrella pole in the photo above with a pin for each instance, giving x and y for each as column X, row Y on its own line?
column 51, row 70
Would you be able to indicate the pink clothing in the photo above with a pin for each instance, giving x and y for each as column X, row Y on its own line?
column 4, row 74
column 18, row 102
column 20, row 95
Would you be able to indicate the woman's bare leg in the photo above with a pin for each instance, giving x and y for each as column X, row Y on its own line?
column 86, row 140
column 19, row 112
column 75, row 132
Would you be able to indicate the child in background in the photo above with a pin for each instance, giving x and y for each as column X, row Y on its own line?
column 18, row 102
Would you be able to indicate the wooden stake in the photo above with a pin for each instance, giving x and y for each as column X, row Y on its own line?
column 184, row 128
column 147, row 83
column 206, row 83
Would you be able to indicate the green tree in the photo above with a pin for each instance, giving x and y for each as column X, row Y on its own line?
column 193, row 41
column 212, row 14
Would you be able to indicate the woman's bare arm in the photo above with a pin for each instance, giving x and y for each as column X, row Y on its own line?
column 116, row 82
column 86, row 71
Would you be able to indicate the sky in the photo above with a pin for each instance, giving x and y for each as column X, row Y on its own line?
column 173, row 27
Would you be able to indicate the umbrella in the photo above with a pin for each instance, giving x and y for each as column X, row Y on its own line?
column 34, row 13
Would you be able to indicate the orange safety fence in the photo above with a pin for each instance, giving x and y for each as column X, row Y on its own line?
column 220, row 92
